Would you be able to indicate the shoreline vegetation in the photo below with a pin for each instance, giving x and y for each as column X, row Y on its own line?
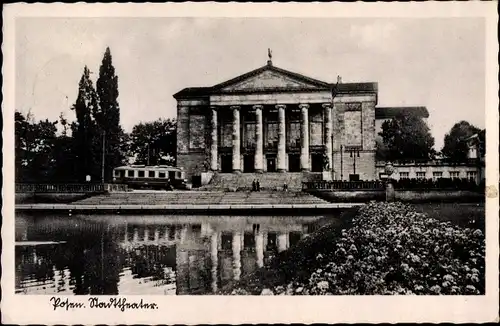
column 379, row 249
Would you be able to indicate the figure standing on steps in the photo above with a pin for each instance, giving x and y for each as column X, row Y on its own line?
column 258, row 185
column 285, row 187
column 254, row 185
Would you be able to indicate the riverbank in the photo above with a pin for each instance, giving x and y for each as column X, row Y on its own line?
column 185, row 209
column 380, row 248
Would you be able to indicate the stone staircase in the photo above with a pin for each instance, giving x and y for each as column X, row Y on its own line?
column 203, row 198
column 268, row 181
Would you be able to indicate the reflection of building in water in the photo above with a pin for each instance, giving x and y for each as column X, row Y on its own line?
column 190, row 254
column 222, row 253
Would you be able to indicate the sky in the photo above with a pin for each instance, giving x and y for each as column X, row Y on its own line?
column 434, row 62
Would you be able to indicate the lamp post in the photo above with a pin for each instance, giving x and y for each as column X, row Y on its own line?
column 354, row 152
column 148, row 152
column 103, row 154
column 341, row 163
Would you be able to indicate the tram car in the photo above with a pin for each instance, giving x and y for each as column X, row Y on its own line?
column 150, row 177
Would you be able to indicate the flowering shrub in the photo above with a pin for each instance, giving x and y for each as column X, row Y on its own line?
column 389, row 248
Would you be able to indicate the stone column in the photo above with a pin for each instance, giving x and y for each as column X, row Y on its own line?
column 304, row 138
column 214, row 255
column 282, row 240
column 167, row 234
column 259, row 141
column 236, row 255
column 281, row 159
column 183, row 234
column 328, row 133
column 214, row 145
column 259, row 248
column 157, row 235
column 236, row 139
column 125, row 236
column 136, row 236
column 146, row 235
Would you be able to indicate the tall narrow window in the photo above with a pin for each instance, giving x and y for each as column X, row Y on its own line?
column 272, row 134
column 226, row 134
column 294, row 134
column 316, row 128
column 249, row 135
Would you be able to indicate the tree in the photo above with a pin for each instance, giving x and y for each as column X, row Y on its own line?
column 84, row 130
column 154, row 142
column 407, row 137
column 455, row 145
column 34, row 143
column 107, row 115
column 381, row 150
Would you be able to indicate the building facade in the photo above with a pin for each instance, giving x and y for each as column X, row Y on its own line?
column 273, row 120
column 433, row 169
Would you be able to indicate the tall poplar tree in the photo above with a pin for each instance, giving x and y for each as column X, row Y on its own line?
column 107, row 116
column 84, row 130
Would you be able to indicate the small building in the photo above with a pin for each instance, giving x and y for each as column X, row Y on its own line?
column 477, row 151
column 433, row 169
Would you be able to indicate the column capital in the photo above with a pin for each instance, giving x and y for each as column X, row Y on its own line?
column 258, row 107
column 303, row 106
column 327, row 105
column 214, row 107
column 234, row 107
column 280, row 106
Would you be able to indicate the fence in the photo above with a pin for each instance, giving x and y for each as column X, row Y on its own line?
column 343, row 185
column 68, row 188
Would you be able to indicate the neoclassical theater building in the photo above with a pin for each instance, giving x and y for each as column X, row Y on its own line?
column 273, row 120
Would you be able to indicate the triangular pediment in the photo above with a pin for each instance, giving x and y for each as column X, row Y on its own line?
column 269, row 78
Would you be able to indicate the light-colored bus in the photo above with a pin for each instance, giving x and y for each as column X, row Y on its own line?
column 153, row 177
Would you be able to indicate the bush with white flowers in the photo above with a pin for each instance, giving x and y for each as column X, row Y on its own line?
column 389, row 248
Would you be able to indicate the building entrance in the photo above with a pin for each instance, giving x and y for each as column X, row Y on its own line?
column 226, row 163
column 316, row 163
column 271, row 164
column 294, row 163
column 248, row 163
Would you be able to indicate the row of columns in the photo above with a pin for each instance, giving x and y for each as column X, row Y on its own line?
column 259, row 150
column 180, row 234
column 283, row 243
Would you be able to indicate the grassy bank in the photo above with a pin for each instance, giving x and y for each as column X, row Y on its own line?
column 380, row 248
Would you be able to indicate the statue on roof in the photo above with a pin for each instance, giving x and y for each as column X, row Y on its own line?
column 270, row 55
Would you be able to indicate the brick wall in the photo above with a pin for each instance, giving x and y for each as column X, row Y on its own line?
column 365, row 165
column 368, row 117
column 191, row 162
column 182, row 130
column 338, row 125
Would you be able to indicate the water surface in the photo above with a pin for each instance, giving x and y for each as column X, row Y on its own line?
column 151, row 254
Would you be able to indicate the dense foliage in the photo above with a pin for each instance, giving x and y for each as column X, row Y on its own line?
column 389, row 248
column 154, row 142
column 455, row 145
column 43, row 155
column 34, row 141
column 405, row 137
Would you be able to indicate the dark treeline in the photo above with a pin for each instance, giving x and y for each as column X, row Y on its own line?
column 42, row 154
